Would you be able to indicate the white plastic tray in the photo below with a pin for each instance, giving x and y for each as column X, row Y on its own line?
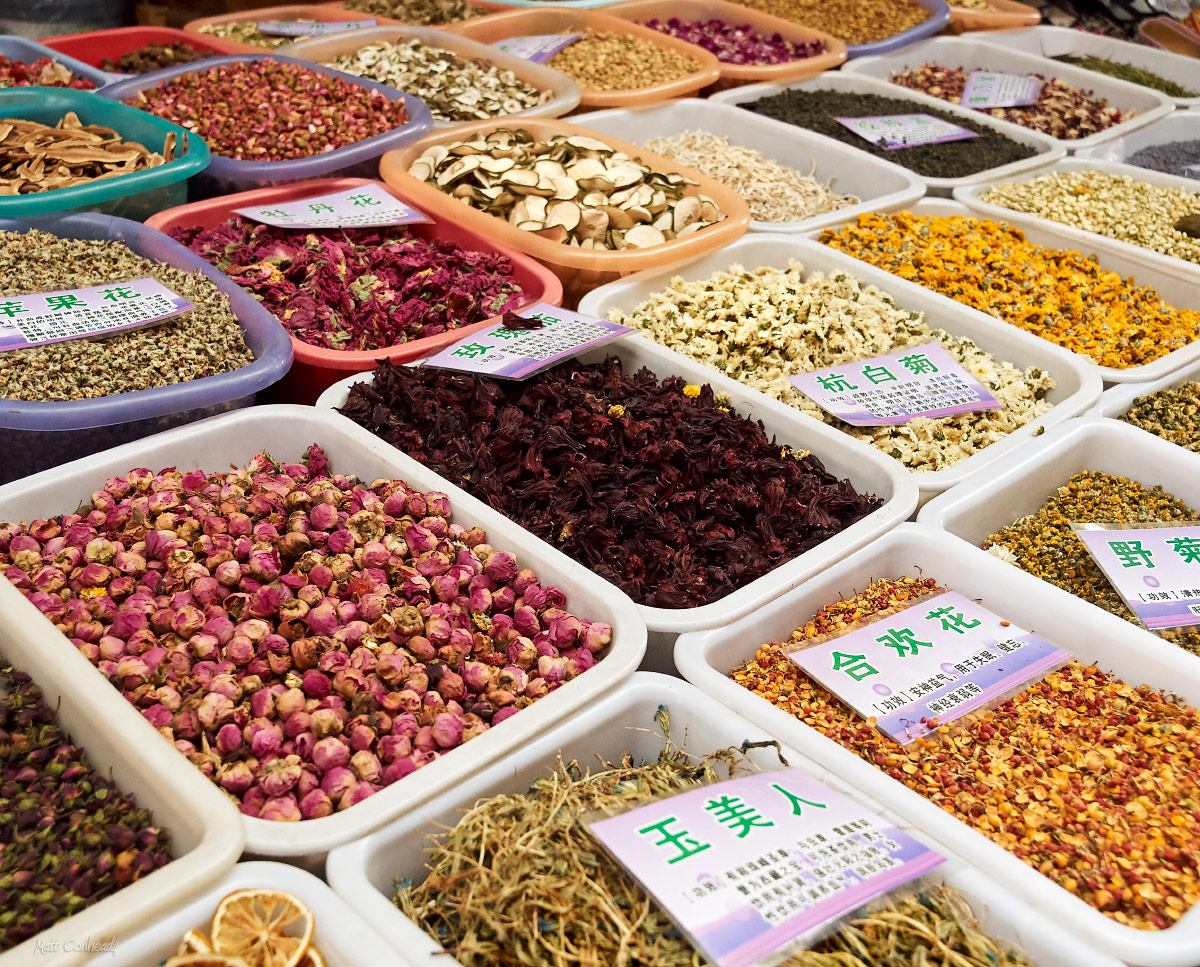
column 205, row 826
column 1047, row 41
column 881, row 185
column 970, row 196
column 1140, row 105
column 1048, row 150
column 1117, row 400
column 869, row 470
column 1176, row 126
column 1078, row 379
column 363, row 872
column 1091, row 634
column 339, row 931
column 566, row 91
column 1179, row 286
column 286, row 431
column 1021, row 483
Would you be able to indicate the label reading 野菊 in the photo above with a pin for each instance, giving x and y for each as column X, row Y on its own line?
column 366, row 206
column 101, row 310
column 941, row 657
column 1156, row 569
column 538, row 48
column 905, row 130
column 320, row 28
column 519, row 353
column 884, row 390
column 992, row 89
column 752, row 866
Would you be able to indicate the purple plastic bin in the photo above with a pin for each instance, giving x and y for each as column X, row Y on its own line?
column 27, row 51
column 228, row 175
column 939, row 17
column 35, row 436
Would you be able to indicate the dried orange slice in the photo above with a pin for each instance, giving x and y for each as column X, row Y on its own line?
column 266, row 928
column 205, row 960
column 194, row 942
column 313, row 957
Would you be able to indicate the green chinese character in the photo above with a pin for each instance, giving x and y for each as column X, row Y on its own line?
column 116, row 293
column 1186, row 547
column 732, row 812
column 835, row 383
column 10, row 309
column 797, row 809
column 274, row 213
column 918, row 363
column 363, row 199
column 1129, row 552
column 67, row 301
column 903, row 640
column 878, row 374
column 471, row 350
column 509, row 333
column 856, row 666
column 317, row 207
column 952, row 620
column 686, row 845
column 548, row 320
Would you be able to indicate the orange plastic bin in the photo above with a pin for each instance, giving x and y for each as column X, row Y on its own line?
column 732, row 75
column 316, row 368
column 299, row 11
column 580, row 270
column 349, row 13
column 1008, row 15
column 527, row 22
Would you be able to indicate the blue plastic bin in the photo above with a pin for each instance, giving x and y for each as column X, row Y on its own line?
column 227, row 175
column 35, row 435
column 27, row 51
column 939, row 18
column 137, row 195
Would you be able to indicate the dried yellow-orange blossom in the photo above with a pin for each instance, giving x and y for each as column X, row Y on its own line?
column 1060, row 295
column 1093, row 782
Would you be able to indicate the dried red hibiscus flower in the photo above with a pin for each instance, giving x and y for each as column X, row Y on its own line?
column 671, row 498
column 358, row 288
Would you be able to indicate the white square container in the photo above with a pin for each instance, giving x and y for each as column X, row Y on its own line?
column 869, row 470
column 363, row 872
column 1176, row 126
column 882, row 186
column 322, row 50
column 1179, row 286
column 205, row 826
column 1089, row 633
column 1116, row 400
column 970, row 196
column 1048, row 149
column 1078, row 379
column 1140, row 105
column 340, row 932
column 286, row 431
column 1047, row 41
column 1021, row 483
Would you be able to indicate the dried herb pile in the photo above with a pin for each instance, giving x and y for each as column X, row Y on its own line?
column 1061, row 295
column 853, row 21
column 68, row 836
column 1128, row 72
column 493, row 875
column 1173, row 414
column 205, row 341
column 423, row 13
column 43, row 72
column 1180, row 158
column 818, row 111
column 358, row 288
column 1088, row 780
column 153, row 57
column 654, row 485
column 1043, row 544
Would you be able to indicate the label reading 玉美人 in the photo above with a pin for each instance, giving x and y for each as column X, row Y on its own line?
column 939, row 658
column 921, row 380
column 367, row 206
column 891, row 131
column 754, row 866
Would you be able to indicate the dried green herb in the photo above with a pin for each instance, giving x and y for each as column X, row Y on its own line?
column 1173, row 414
column 1128, row 72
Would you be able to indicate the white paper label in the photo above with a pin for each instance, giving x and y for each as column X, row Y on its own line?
column 538, row 48
column 991, row 89
column 892, row 131
column 320, row 28
column 366, row 206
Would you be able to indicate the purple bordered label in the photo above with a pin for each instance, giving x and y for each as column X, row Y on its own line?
column 320, row 28
column 942, row 657
column 101, row 310
column 922, row 380
column 892, row 131
column 519, row 353
column 756, row 865
column 1155, row 569
column 366, row 206
column 538, row 48
column 991, row 89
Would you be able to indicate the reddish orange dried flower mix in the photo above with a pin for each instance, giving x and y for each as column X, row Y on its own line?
column 1091, row 781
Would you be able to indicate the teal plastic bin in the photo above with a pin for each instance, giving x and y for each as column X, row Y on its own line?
column 135, row 196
